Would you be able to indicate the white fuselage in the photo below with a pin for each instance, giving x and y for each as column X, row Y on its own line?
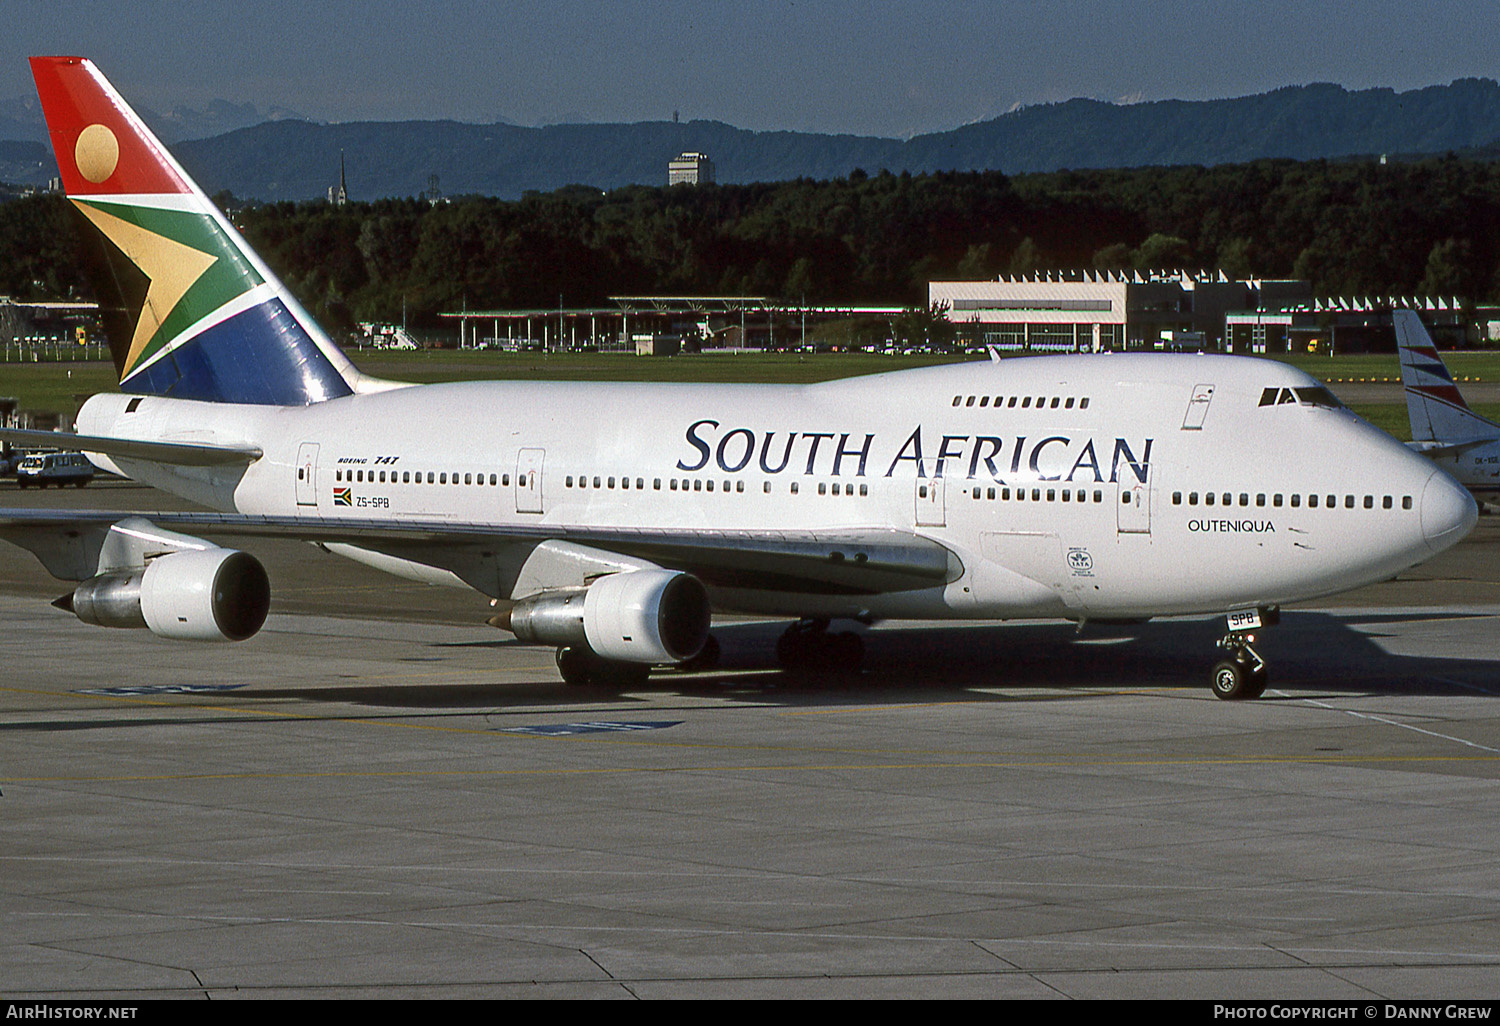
column 1093, row 486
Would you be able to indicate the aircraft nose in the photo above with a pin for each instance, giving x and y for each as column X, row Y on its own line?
column 1449, row 512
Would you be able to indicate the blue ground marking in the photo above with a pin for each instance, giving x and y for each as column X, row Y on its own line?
column 158, row 689
column 594, row 727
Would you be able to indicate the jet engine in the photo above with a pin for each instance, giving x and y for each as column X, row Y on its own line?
column 637, row 616
column 209, row 594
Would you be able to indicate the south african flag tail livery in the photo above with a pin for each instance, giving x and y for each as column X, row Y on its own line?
column 191, row 312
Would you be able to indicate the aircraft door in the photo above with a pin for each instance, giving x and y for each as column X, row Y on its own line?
column 307, row 474
column 1198, row 407
column 932, row 508
column 529, row 481
column 1133, row 504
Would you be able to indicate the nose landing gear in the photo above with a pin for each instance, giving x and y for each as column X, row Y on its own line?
column 1243, row 675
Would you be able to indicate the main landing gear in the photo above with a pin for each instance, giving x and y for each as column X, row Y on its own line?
column 807, row 645
column 580, row 667
column 1243, row 675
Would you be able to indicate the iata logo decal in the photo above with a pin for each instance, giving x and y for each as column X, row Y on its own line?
column 1080, row 562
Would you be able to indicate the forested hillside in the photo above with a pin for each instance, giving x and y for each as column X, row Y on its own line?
column 1352, row 227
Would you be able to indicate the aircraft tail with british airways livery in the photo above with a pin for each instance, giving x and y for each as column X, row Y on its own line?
column 1443, row 427
column 609, row 521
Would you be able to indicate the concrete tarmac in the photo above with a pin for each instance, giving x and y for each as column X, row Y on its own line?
column 378, row 796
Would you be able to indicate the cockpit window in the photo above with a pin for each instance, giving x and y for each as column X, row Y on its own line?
column 1315, row 395
column 1319, row 396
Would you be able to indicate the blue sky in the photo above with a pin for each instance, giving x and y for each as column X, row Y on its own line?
column 874, row 67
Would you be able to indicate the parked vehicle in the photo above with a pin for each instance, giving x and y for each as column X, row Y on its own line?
column 59, row 468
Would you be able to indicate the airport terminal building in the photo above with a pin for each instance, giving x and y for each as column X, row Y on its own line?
column 1086, row 311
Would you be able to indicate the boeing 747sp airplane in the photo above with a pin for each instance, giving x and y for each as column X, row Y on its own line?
column 610, row 520
column 1443, row 427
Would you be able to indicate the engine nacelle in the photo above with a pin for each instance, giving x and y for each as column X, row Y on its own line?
column 196, row 595
column 638, row 616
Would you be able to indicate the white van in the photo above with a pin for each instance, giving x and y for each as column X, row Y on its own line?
column 59, row 468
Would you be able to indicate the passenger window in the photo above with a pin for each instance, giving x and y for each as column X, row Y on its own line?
column 970, row 401
column 1276, row 500
column 1312, row 502
column 1083, row 404
column 865, row 490
column 1406, row 502
column 1260, row 500
column 1244, row 499
column 1026, row 403
column 1385, row 503
column 1296, row 500
column 1177, row 498
column 1055, row 401
column 1069, row 404
column 1208, row 498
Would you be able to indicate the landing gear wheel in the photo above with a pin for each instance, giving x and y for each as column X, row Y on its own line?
column 1231, row 680
column 807, row 646
column 577, row 666
column 582, row 668
column 706, row 659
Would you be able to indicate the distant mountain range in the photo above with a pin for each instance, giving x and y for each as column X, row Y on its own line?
column 294, row 159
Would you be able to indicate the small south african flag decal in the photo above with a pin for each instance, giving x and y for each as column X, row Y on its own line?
column 343, row 497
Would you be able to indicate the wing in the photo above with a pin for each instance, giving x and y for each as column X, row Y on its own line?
column 856, row 561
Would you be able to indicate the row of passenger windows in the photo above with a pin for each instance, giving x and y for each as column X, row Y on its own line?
column 1294, row 500
column 699, row 484
column 415, row 477
column 1036, row 494
column 1024, row 402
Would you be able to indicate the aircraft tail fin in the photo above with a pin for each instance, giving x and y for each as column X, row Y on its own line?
column 1437, row 410
column 190, row 310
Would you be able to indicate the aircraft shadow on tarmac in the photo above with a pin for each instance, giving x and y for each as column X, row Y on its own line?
column 1309, row 652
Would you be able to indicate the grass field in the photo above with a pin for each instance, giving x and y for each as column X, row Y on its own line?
column 59, row 387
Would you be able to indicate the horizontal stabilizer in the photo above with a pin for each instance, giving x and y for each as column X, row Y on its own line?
column 177, row 454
